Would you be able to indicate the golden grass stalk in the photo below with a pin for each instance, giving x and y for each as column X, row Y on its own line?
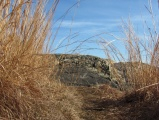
column 139, row 65
column 25, row 89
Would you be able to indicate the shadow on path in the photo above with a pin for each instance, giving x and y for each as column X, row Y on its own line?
column 101, row 103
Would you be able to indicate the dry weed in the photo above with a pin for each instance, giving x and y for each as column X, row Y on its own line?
column 26, row 91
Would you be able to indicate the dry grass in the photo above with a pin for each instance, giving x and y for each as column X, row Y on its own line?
column 141, row 105
column 138, row 67
column 138, row 55
column 25, row 89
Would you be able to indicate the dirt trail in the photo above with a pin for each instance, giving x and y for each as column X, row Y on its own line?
column 101, row 103
column 107, row 103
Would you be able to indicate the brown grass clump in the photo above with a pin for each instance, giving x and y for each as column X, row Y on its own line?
column 25, row 89
column 141, row 105
column 137, row 57
column 138, row 67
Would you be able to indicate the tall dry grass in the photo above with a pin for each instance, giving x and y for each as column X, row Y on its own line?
column 137, row 69
column 26, row 92
column 138, row 64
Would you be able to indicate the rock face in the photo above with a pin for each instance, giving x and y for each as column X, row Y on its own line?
column 84, row 70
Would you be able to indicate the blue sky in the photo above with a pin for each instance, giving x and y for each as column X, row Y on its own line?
column 91, row 18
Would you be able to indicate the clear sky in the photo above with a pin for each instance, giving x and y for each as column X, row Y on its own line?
column 90, row 18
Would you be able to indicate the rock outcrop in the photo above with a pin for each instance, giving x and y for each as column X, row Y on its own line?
column 84, row 70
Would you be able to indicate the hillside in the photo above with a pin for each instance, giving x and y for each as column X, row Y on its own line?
column 103, row 95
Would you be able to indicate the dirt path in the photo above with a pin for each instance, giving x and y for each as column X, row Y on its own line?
column 101, row 103
column 107, row 103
